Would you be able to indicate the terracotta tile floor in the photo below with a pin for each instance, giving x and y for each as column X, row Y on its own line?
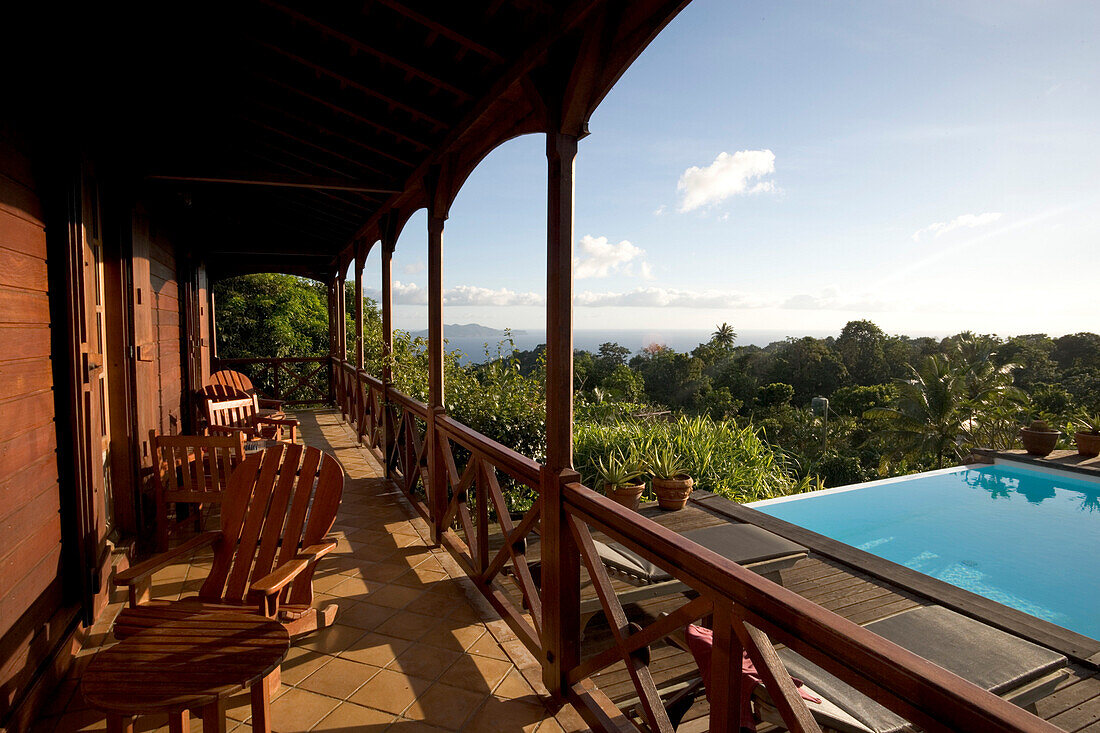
column 415, row 647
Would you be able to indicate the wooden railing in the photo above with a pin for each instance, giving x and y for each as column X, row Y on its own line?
column 299, row 380
column 451, row 474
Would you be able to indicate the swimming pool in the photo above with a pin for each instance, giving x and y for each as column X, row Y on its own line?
column 1026, row 538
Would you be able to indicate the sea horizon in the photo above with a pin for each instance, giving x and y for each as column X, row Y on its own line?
column 474, row 349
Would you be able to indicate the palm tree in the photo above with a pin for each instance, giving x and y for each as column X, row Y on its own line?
column 931, row 414
column 724, row 336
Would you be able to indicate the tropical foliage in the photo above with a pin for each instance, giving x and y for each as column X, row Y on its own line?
column 737, row 417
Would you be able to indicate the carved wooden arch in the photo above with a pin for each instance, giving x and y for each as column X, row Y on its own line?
column 576, row 70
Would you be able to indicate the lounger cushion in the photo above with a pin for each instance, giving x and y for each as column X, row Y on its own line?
column 745, row 544
column 853, row 702
column 626, row 561
column 988, row 657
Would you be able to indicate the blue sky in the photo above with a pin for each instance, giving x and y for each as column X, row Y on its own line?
column 792, row 166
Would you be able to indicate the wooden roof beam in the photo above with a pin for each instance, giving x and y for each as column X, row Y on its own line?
column 313, row 146
column 332, row 133
column 361, row 199
column 345, row 81
column 443, row 30
column 359, row 46
column 420, row 144
column 334, row 184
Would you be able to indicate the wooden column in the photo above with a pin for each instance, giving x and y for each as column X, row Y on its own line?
column 360, row 263
column 341, row 317
column 560, row 556
column 389, row 242
column 332, row 340
column 359, row 393
column 437, row 480
column 213, row 332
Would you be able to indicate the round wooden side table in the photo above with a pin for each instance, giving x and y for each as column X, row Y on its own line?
column 192, row 663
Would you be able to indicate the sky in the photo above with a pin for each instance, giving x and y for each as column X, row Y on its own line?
column 792, row 166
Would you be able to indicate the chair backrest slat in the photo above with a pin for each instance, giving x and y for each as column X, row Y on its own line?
column 190, row 463
column 238, row 496
column 234, row 413
column 276, row 501
column 322, row 515
column 236, row 380
column 237, row 582
column 272, row 533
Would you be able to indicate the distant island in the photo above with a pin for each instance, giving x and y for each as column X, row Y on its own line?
column 471, row 331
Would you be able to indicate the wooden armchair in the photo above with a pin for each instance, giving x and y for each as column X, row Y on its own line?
column 226, row 383
column 191, row 469
column 278, row 506
column 240, row 417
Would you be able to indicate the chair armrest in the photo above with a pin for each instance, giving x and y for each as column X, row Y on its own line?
column 270, row 403
column 137, row 577
column 266, row 590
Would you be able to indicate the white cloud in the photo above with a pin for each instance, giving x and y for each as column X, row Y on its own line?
column 969, row 221
column 408, row 294
column 659, row 210
column 468, row 295
column 600, row 258
column 831, row 299
column 413, row 268
column 653, row 297
column 473, row 295
column 729, row 175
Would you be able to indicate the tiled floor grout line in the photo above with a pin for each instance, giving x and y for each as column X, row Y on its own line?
column 476, row 599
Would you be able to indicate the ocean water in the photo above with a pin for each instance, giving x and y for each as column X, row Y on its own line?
column 633, row 339
column 1026, row 539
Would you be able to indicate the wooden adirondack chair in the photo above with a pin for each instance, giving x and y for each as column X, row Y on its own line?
column 226, row 382
column 192, row 469
column 279, row 505
column 239, row 417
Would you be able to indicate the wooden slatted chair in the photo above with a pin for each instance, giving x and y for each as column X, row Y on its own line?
column 227, row 382
column 240, row 417
column 277, row 510
column 191, row 469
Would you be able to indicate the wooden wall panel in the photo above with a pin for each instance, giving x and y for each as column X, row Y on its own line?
column 31, row 595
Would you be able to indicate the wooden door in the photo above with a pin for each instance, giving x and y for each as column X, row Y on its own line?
column 96, row 504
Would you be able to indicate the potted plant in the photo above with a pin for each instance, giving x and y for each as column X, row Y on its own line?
column 1038, row 438
column 621, row 476
column 1088, row 437
column 671, row 482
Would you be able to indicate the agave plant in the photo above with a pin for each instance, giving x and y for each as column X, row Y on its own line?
column 618, row 469
column 1089, row 423
column 663, row 462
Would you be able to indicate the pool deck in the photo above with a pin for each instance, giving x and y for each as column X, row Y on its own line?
column 862, row 588
column 1064, row 460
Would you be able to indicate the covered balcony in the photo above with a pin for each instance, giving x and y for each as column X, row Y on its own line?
column 300, row 140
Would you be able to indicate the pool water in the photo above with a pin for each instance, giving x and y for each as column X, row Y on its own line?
column 1027, row 539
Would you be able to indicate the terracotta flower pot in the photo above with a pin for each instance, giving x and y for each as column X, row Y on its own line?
column 1039, row 442
column 628, row 496
column 672, row 493
column 1088, row 444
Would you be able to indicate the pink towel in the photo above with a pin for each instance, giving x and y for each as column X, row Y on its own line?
column 701, row 641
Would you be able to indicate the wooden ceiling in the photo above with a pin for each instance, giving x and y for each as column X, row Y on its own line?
column 289, row 130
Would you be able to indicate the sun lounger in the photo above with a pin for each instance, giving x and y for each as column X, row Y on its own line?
column 755, row 548
column 1015, row 669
